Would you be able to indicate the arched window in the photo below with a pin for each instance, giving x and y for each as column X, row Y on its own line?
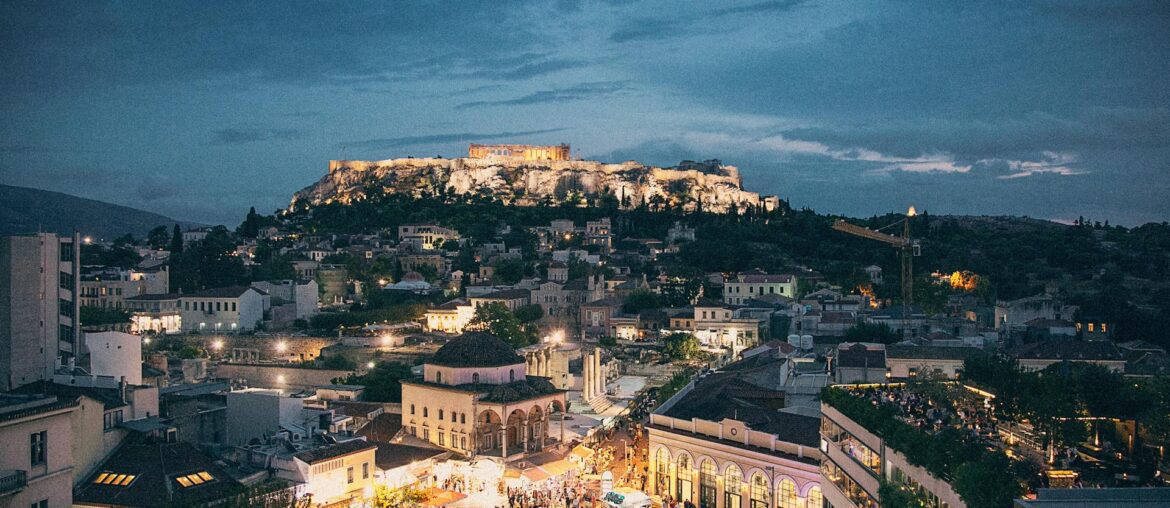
column 682, row 489
column 707, row 493
column 787, row 494
column 733, row 487
column 439, row 377
column 815, row 500
column 511, row 375
column 662, row 471
column 761, row 498
column 475, row 377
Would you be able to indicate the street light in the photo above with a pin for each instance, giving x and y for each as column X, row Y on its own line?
column 217, row 344
column 281, row 346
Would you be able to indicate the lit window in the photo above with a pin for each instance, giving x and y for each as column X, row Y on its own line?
column 115, row 479
column 1090, row 327
column 193, row 479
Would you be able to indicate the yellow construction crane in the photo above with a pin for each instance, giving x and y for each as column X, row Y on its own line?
column 907, row 247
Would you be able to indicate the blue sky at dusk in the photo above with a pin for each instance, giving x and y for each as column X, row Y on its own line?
column 198, row 110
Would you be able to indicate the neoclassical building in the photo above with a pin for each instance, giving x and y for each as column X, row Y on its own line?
column 725, row 441
column 476, row 398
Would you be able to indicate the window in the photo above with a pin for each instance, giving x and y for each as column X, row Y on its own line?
column 662, row 472
column 707, row 485
column 1090, row 327
column 463, row 443
column 36, row 447
column 815, row 500
column 365, row 470
column 732, row 486
column 761, row 498
column 475, row 377
column 426, row 434
column 439, row 378
column 108, row 478
column 463, row 418
column 111, row 419
column 683, row 474
column 425, row 412
column 442, row 439
column 511, row 375
column 44, row 503
column 233, row 306
column 349, row 475
column 193, row 479
column 440, row 414
column 412, row 409
column 787, row 494
column 453, row 417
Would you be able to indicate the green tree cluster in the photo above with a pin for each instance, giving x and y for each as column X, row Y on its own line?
column 383, row 383
column 501, row 322
column 680, row 346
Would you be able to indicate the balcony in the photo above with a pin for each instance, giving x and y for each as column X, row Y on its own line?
column 12, row 481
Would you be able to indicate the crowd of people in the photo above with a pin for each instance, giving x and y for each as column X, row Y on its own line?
column 919, row 410
column 564, row 492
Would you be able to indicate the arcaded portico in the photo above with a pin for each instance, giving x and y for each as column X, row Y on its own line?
column 476, row 397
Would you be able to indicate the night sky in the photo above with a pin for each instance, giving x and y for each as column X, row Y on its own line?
column 198, row 110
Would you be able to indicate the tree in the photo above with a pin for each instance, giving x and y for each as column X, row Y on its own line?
column 210, row 263
column 640, row 300
column 251, row 226
column 383, row 383
column 680, row 346
column 158, row 238
column 176, row 240
column 988, row 482
column 401, row 497
column 871, row 332
column 501, row 322
column 529, row 313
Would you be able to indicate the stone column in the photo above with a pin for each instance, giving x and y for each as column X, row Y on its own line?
column 599, row 375
column 587, row 377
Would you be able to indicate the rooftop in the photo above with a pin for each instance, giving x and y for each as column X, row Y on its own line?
column 228, row 292
column 1069, row 349
column 156, row 474
column 476, row 349
column 336, row 450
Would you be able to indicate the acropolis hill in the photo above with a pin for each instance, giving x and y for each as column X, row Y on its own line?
column 528, row 175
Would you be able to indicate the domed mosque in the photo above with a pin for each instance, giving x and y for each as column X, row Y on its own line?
column 475, row 398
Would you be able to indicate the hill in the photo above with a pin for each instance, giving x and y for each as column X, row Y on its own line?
column 708, row 185
column 27, row 210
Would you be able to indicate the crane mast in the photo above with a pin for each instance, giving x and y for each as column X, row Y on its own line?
column 907, row 248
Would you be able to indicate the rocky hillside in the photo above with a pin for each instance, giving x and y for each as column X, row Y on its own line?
column 24, row 210
column 710, row 184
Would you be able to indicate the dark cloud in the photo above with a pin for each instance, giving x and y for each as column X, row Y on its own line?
column 439, row 139
column 759, row 7
column 568, row 94
column 644, row 29
column 156, row 188
column 232, row 136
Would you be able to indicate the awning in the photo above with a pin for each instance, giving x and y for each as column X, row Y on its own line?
column 558, row 467
column 441, row 497
column 582, row 451
column 534, row 474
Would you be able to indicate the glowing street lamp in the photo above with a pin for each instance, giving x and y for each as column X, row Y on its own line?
column 217, row 344
column 281, row 346
column 387, row 340
column 371, row 365
column 557, row 337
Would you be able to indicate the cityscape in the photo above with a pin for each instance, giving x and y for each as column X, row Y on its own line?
column 249, row 261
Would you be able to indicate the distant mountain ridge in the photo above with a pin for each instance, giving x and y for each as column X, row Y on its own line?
column 26, row 210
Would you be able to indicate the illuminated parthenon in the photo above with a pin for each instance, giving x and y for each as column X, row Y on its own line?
column 527, row 152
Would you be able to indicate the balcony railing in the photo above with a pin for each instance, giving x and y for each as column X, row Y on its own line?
column 12, row 480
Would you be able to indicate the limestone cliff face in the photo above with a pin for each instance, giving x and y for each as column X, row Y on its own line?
column 520, row 182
